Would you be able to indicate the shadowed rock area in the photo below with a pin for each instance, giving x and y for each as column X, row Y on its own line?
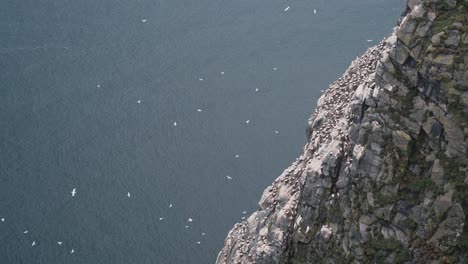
column 383, row 177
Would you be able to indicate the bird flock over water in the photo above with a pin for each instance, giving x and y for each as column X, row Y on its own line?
column 74, row 193
column 34, row 242
column 189, row 220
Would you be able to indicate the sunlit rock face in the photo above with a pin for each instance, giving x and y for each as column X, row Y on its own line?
column 383, row 177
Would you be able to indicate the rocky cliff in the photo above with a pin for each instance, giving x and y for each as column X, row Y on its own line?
column 383, row 177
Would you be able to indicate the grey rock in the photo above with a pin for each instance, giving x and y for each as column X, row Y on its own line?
column 451, row 3
column 433, row 127
column 418, row 11
column 413, row 3
column 450, row 230
column 437, row 173
column 464, row 98
column 436, row 38
column 406, row 30
column 423, row 28
column 465, row 39
column 388, row 233
column 453, row 38
column 401, row 54
column 443, row 203
column 445, row 59
column 431, row 16
column 401, row 139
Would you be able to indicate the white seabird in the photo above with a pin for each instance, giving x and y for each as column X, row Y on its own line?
column 128, row 194
column 98, row 86
column 275, row 69
column 243, row 218
column 198, row 242
column 33, row 244
column 222, row 73
column 287, row 8
column 25, row 231
column 370, row 40
column 161, row 218
column 244, row 212
column 3, row 219
column 59, row 242
column 72, row 251
column 186, row 226
column 237, row 155
column 247, row 121
column 139, row 101
column 190, row 220
column 170, row 206
column 315, row 11
column 256, row 89
column 229, row 177
column 73, row 192
column 200, row 79
column 276, row 132
column 175, row 123
column 203, row 234
column 144, row 20
column 199, row 110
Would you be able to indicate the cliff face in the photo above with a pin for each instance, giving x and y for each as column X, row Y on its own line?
column 383, row 177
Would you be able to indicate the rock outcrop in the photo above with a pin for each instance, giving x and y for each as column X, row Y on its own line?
column 384, row 175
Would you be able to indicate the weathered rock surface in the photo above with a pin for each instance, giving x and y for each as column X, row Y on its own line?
column 384, row 175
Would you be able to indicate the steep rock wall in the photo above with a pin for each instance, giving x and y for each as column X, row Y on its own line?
column 383, row 177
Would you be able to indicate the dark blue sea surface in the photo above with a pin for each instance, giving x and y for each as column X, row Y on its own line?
column 90, row 91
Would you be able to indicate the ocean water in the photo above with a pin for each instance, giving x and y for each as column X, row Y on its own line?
column 90, row 91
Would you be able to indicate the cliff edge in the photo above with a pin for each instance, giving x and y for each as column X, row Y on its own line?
column 383, row 177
